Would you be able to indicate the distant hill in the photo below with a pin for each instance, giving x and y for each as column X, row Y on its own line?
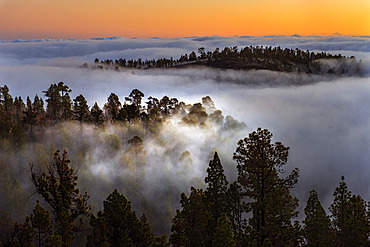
column 247, row 58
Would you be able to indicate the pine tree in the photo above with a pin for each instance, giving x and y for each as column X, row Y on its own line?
column 21, row 235
column 208, row 104
column 135, row 98
column 118, row 225
column 27, row 234
column 216, row 190
column 40, row 219
column 235, row 208
column 350, row 222
column 19, row 108
column 122, row 115
column 223, row 236
column 30, row 114
column 99, row 235
column 59, row 104
column 316, row 224
column 112, row 106
column 161, row 241
column 359, row 222
column 58, row 187
column 197, row 115
column 179, row 237
column 259, row 163
column 6, row 100
column 97, row 115
column 65, row 100
column 280, row 209
column 5, row 124
column 54, row 102
column 136, row 155
column 165, row 105
column 146, row 237
column 298, row 235
column 153, row 103
column 38, row 106
column 131, row 112
column 190, row 225
column 339, row 213
column 80, row 111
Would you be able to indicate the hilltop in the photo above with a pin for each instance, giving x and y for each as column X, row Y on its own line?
column 247, row 58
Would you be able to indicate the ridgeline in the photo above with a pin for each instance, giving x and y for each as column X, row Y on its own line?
column 248, row 58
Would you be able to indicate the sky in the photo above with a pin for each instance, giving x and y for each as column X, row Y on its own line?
column 62, row 19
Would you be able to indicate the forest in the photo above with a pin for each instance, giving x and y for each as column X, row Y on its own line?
column 50, row 195
column 249, row 57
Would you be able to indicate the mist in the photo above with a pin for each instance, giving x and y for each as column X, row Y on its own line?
column 323, row 119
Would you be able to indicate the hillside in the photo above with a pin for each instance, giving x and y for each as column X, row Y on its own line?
column 248, row 58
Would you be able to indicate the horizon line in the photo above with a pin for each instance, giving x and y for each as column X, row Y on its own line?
column 180, row 37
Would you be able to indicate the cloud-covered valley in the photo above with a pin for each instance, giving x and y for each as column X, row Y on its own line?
column 324, row 120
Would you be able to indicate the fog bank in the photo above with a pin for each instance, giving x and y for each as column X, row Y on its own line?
column 324, row 120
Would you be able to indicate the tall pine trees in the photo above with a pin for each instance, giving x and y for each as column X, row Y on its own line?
column 80, row 109
column 316, row 224
column 349, row 219
column 196, row 223
column 59, row 189
column 118, row 225
column 259, row 164
column 216, row 189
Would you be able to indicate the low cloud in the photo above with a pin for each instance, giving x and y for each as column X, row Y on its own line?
column 113, row 47
column 323, row 119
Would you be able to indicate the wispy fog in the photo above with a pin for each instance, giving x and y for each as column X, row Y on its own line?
column 324, row 120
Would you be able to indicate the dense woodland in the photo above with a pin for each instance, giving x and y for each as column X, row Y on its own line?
column 249, row 57
column 257, row 209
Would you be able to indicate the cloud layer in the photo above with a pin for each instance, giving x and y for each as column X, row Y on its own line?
column 117, row 47
column 324, row 120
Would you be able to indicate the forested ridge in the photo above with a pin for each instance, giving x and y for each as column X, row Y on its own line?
column 249, row 57
column 257, row 209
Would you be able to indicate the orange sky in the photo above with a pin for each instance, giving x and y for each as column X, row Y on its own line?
column 29, row 19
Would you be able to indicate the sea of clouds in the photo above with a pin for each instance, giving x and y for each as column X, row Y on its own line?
column 324, row 120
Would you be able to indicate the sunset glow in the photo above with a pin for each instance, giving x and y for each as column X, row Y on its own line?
column 23, row 19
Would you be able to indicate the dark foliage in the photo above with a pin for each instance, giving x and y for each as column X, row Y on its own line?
column 249, row 57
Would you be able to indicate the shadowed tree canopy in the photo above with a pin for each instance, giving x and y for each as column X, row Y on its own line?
column 30, row 114
column 59, row 189
column 81, row 109
column 112, row 106
column 259, row 204
column 135, row 98
column 259, row 163
column 247, row 58
column 40, row 219
column 136, row 144
column 223, row 236
column 6, row 99
column 317, row 223
column 349, row 219
column 118, row 225
column 97, row 116
column 190, row 225
column 66, row 100
column 216, row 189
column 59, row 103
